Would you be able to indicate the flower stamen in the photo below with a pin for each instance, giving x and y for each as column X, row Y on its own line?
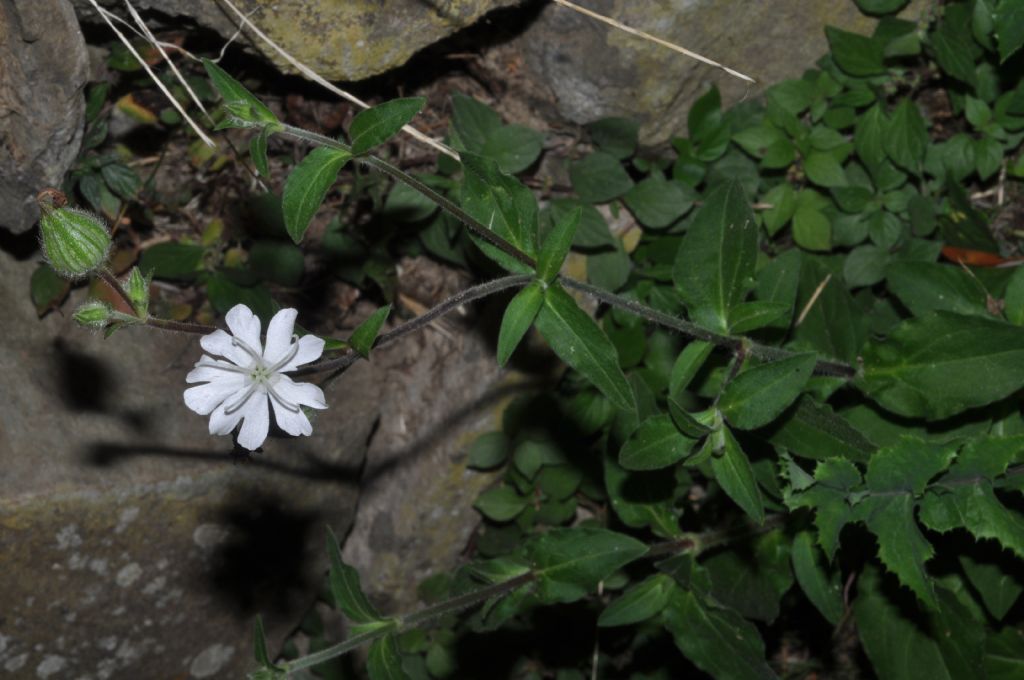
column 294, row 408
column 240, row 402
column 293, row 349
column 246, row 348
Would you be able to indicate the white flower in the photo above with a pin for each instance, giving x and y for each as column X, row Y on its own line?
column 237, row 390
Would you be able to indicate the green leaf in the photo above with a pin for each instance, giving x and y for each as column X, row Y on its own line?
column 617, row 137
column 869, row 137
column 407, row 204
column 999, row 587
column 751, row 578
column 954, row 51
column 121, row 179
column 639, row 603
column 813, row 430
column 907, row 466
column 581, row 344
column 593, row 231
column 718, row 641
column 258, row 152
column 942, row 364
column 47, row 288
column 782, row 198
column 518, row 318
column 513, row 147
column 259, row 643
column 345, row 587
column 823, row 169
column 365, row 334
column 239, row 102
column 504, row 205
column 687, row 364
column 977, row 509
column 714, row 267
column 750, row 316
column 655, row 444
column 819, row 583
column 1004, row 654
column 856, row 54
column 473, row 122
column 925, row 287
column 501, row 503
column 384, row 661
column 658, row 202
column 556, row 247
column 831, row 326
column 569, row 563
column 599, row 178
column 374, row 126
column 1009, row 27
column 488, row 451
column 172, row 260
column 733, row 472
column 759, row 395
column 306, row 187
column 277, row 261
column 907, row 137
column 865, row 266
column 811, row 228
column 225, row 294
column 878, row 8
column 642, row 499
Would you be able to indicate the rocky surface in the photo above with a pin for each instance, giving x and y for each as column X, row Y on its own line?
column 131, row 544
column 339, row 39
column 43, row 69
column 595, row 71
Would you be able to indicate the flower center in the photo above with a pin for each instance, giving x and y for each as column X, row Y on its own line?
column 262, row 375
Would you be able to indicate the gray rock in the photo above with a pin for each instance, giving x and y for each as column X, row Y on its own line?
column 131, row 545
column 43, row 69
column 349, row 40
column 596, row 71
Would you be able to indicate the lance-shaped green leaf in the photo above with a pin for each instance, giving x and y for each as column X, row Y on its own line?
column 714, row 268
column 819, row 583
column 580, row 343
column 814, row 430
column 306, row 187
column 374, row 126
column 907, row 137
column 869, row 137
column 569, row 563
column 718, row 641
column 345, row 588
column 639, row 603
column 557, row 245
column 656, row 444
column 365, row 334
column 259, row 645
column 518, row 318
column 925, row 287
column 502, row 204
column 757, row 396
column 239, row 102
column 384, row 661
column 942, row 364
column 689, row 361
column 733, row 472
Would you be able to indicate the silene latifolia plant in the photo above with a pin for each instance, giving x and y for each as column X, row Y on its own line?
column 797, row 409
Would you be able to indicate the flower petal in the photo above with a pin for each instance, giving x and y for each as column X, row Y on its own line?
column 310, row 349
column 208, row 369
column 279, row 335
column 245, row 326
column 304, row 394
column 222, row 422
column 203, row 399
column 255, row 423
column 292, row 422
column 219, row 343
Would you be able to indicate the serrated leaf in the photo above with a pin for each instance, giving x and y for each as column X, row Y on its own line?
column 714, row 267
column 239, row 102
column 365, row 334
column 374, row 126
column 518, row 318
column 822, row 588
column 655, row 444
column 718, row 641
column 569, row 563
column 639, row 603
column 976, row 508
column 942, row 364
column 759, row 395
column 902, row 547
column 834, row 478
column 306, row 187
column 345, row 587
column 556, row 246
column 384, row 661
column 907, row 466
column 581, row 344
column 733, row 472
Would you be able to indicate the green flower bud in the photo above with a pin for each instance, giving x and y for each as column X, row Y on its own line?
column 93, row 314
column 137, row 288
column 75, row 242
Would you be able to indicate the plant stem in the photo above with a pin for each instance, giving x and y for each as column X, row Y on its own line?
column 461, row 602
column 111, row 280
column 333, row 651
column 180, row 326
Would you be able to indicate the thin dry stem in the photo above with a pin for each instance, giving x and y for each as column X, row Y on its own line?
column 647, row 36
column 814, row 298
column 318, row 79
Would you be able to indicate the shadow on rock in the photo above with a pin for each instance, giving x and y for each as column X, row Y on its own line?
column 85, row 385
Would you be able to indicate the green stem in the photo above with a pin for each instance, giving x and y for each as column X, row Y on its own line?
column 333, row 651
column 180, row 326
column 111, row 280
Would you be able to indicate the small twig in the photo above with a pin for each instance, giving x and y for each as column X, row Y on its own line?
column 647, row 36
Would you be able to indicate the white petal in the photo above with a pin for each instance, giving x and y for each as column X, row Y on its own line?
column 209, row 370
column 256, row 422
column 310, row 349
column 203, row 399
column 224, row 423
column 245, row 326
column 279, row 335
column 305, row 394
column 219, row 343
column 292, row 422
